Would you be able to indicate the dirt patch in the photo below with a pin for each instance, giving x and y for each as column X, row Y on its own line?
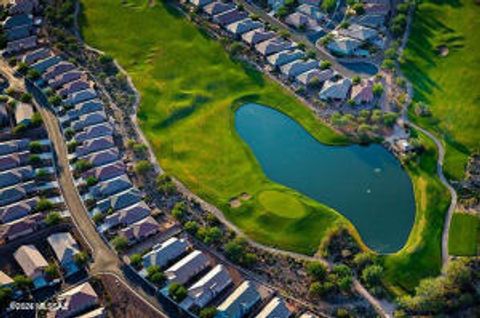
column 443, row 50
column 245, row 196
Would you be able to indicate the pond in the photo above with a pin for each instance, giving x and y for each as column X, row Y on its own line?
column 361, row 67
column 366, row 184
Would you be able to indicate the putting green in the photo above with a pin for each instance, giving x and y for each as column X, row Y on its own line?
column 281, row 204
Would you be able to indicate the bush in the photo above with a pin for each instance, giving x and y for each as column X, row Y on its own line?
column 98, row 218
column 53, row 218
column 165, row 185
column 361, row 260
column 177, row 292
column 155, row 274
column 55, row 100
column 22, row 282
column 136, row 260
column 82, row 165
column 377, row 89
column 105, row 59
column 51, row 271
column 325, row 65
column 120, row 243
column 142, row 167
column 33, row 74
column 208, row 312
column 178, row 210
column 5, row 297
column 20, row 128
column 372, row 275
column 26, row 98
column 22, row 68
column 80, row 259
column 91, row 181
column 317, row 270
column 35, row 147
column 191, row 227
column 37, row 120
column 44, row 205
column 210, row 235
column 71, row 146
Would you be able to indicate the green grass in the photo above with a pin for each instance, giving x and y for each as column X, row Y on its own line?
column 448, row 84
column 422, row 255
column 190, row 88
column 464, row 238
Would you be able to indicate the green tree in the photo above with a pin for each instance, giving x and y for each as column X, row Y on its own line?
column 82, row 165
column 22, row 282
column 317, row 270
column 5, row 297
column 155, row 274
column 179, row 210
column 80, row 259
column 25, row 98
column 44, row 205
column 51, row 271
column 208, row 312
column 55, row 100
column 372, row 275
column 165, row 184
column 377, row 89
column 91, row 181
column 120, row 243
column 191, row 227
column 325, row 64
column 136, row 260
column 98, row 218
column 35, row 147
column 36, row 119
column 142, row 167
column 177, row 292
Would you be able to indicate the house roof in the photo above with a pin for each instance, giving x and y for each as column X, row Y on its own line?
column 210, row 285
column 13, row 160
column 30, row 259
column 103, row 157
column 141, row 229
column 96, row 313
column 344, row 45
column 5, row 279
column 359, row 32
column 297, row 67
column 64, row 246
column 12, row 146
column 120, row 200
column 240, row 301
column 311, row 11
column 17, row 20
column 128, row 216
column 58, row 69
column 229, row 17
column 81, row 96
column 21, row 226
column 94, row 131
column 308, row 315
column 165, row 252
column 321, row 75
column 371, row 20
column 22, row 7
column 218, row 7
column 107, row 172
column 187, row 267
column 73, row 87
column 18, row 33
column 275, row 309
column 77, row 299
column 363, row 92
column 243, row 26
column 89, row 120
column 16, row 193
column 257, row 36
column 200, row 3
column 17, row 210
column 23, row 113
column 42, row 65
column 110, row 187
column 284, row 57
column 65, row 78
column 84, row 108
column 14, row 176
column 336, row 90
column 274, row 45
column 299, row 19
column 21, row 44
column 34, row 56
column 93, row 145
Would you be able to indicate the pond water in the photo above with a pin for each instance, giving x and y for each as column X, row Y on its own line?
column 366, row 184
column 362, row 68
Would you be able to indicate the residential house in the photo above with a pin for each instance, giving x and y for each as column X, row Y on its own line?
column 22, row 7
column 94, row 131
column 192, row 264
column 141, row 230
column 128, row 216
column 218, row 7
column 65, row 78
column 275, row 4
column 376, row 8
column 94, row 145
column 14, row 176
column 65, row 248
column 243, row 26
column 297, row 67
column 344, row 46
column 90, row 106
column 337, row 91
column 21, row 45
column 58, row 69
column 320, row 76
column 81, row 96
column 311, row 11
column 106, row 172
column 12, row 146
column 164, row 253
column 73, row 87
column 374, row 21
column 284, row 57
column 314, row 3
column 299, row 20
column 17, row 210
column 96, row 313
column 4, row 116
column 5, row 280
column 16, row 193
column 273, row 46
column 103, row 157
column 276, row 308
column 77, row 300
column 120, row 200
column 42, row 65
column 21, row 227
column 200, row 3
column 256, row 36
column 239, row 303
column 31, row 261
column 207, row 288
column 229, row 17
column 16, row 21
column 37, row 55
column 362, row 93
column 359, row 32
column 14, row 160
column 89, row 120
column 23, row 114
column 18, row 33
column 111, row 187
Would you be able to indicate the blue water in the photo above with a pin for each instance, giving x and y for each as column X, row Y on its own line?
column 362, row 68
column 365, row 183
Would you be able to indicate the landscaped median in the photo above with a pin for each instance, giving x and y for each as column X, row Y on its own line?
column 190, row 88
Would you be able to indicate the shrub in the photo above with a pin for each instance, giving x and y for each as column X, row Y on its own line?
column 165, row 185
column 55, row 100
column 44, row 205
column 80, row 259
column 177, row 292
column 191, row 227
column 377, row 89
column 136, row 260
column 26, row 98
column 37, row 120
column 142, row 167
column 325, row 65
column 20, row 128
column 35, row 147
column 372, row 275
column 5, row 297
column 51, row 271
column 155, row 274
column 71, row 146
column 208, row 312
column 98, row 218
column 22, row 282
column 317, row 270
column 91, row 181
column 210, row 235
column 22, row 68
column 82, row 165
column 53, row 218
column 105, row 59
column 33, row 74
column 120, row 243
column 178, row 210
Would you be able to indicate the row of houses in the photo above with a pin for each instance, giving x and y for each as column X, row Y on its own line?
column 210, row 284
column 282, row 55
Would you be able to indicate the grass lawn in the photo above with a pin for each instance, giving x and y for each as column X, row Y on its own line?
column 422, row 255
column 448, row 84
column 464, row 238
column 190, row 87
